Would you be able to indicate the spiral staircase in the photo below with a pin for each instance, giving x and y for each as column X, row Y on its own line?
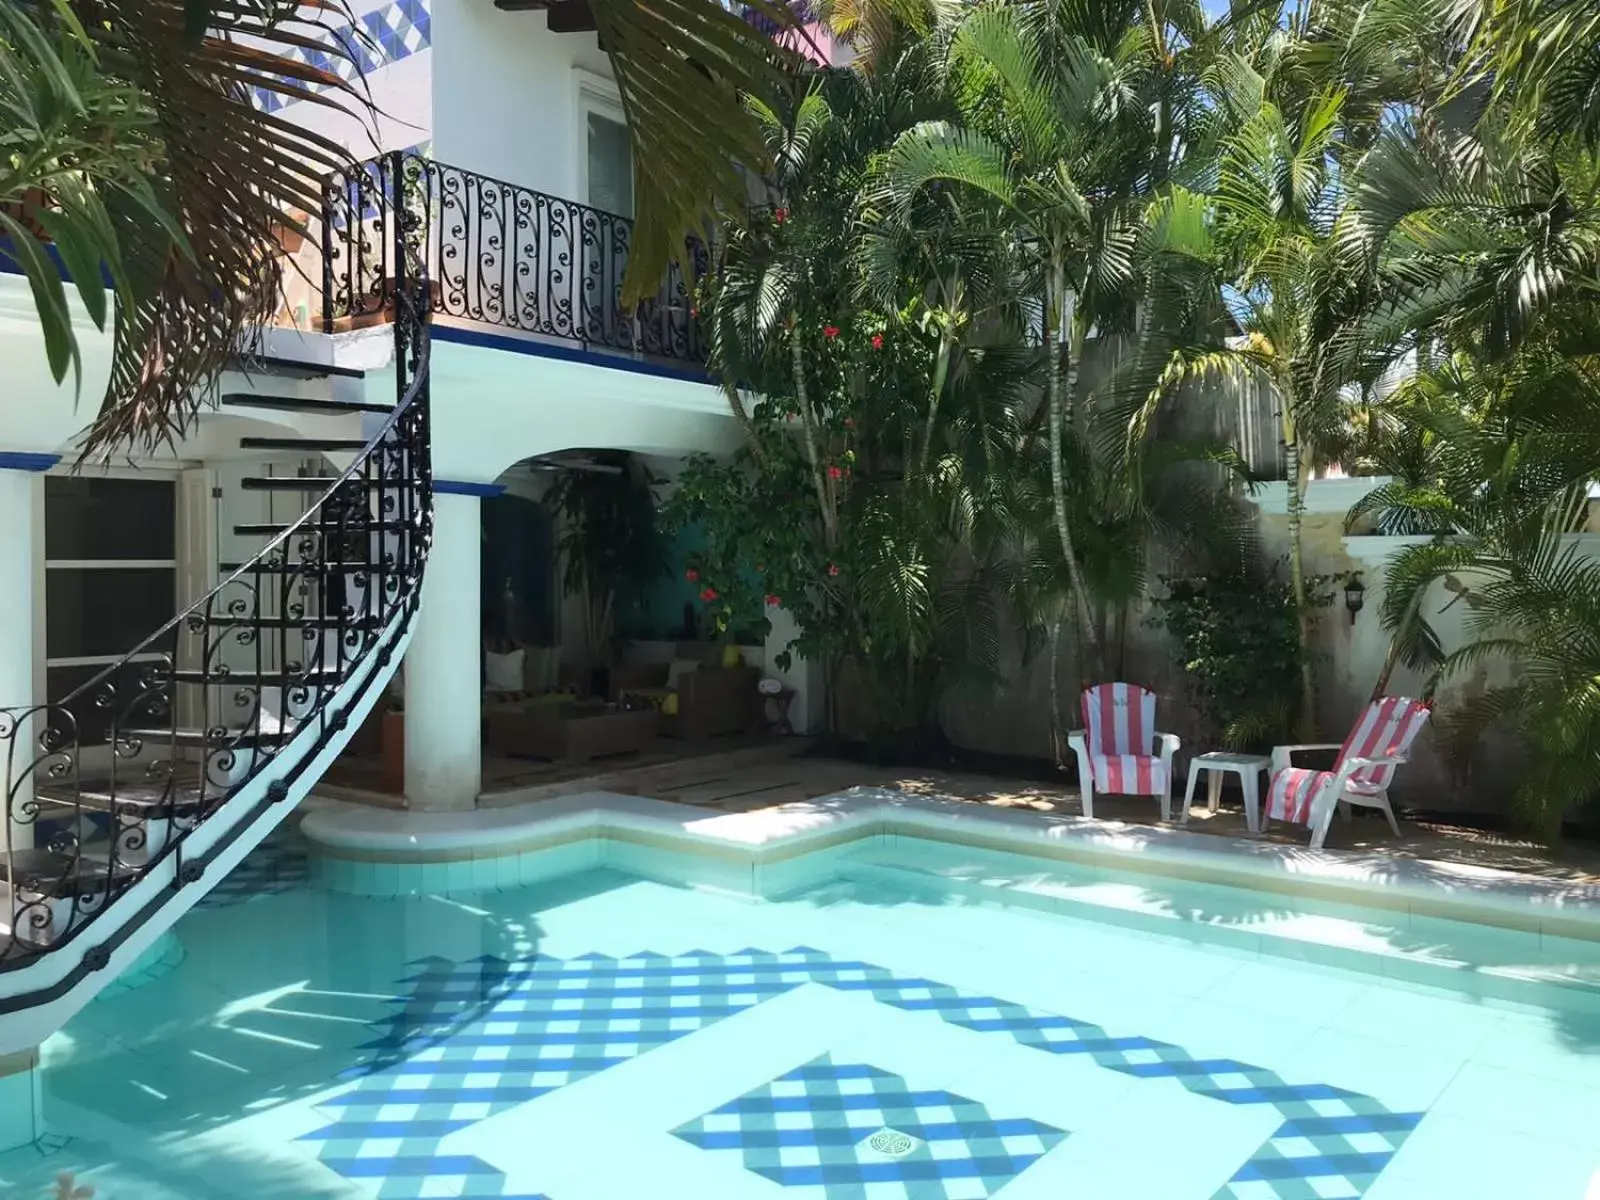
column 134, row 795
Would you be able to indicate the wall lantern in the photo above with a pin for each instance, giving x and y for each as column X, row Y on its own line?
column 1355, row 594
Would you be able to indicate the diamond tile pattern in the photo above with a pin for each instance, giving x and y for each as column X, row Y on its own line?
column 279, row 864
column 474, row 1039
column 382, row 36
column 812, row 1126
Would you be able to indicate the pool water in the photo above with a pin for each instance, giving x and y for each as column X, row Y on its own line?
column 892, row 1025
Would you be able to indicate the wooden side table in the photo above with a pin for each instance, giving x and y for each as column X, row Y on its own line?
column 775, row 705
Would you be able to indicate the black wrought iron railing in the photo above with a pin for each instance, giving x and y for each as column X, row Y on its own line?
column 502, row 255
column 110, row 783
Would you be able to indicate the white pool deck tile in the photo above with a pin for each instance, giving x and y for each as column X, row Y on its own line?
column 1451, row 1028
column 1405, row 1081
column 1525, row 1103
column 1450, row 1157
column 1150, row 1141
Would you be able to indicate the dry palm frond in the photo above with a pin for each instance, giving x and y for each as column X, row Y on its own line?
column 683, row 69
column 132, row 140
column 233, row 175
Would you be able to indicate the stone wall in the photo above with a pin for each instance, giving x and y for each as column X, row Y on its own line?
column 1015, row 719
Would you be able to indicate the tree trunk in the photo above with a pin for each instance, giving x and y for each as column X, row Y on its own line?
column 742, row 416
column 941, row 370
column 1058, row 485
column 1392, row 658
column 819, row 477
column 1058, row 735
column 1297, row 576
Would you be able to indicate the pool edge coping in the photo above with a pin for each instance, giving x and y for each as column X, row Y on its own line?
column 1424, row 887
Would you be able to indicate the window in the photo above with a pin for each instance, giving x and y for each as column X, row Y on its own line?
column 111, row 575
column 605, row 166
column 610, row 164
column 605, row 170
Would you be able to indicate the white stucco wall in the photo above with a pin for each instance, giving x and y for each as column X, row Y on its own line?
column 36, row 413
column 493, row 408
column 505, row 94
column 398, row 83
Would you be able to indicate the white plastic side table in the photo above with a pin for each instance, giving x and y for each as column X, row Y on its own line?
column 1248, row 767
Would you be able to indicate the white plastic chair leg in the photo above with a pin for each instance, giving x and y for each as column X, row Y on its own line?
column 1188, row 792
column 1086, row 790
column 1383, row 803
column 1319, row 829
column 1213, row 792
column 1250, row 785
column 1166, row 803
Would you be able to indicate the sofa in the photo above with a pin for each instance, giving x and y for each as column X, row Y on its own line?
column 695, row 700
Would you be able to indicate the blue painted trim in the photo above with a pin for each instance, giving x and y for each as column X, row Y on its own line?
column 460, row 487
column 593, row 358
column 21, row 460
column 9, row 265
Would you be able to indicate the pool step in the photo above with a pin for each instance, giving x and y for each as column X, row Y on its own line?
column 1427, row 951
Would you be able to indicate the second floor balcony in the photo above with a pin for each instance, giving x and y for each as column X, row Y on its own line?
column 498, row 256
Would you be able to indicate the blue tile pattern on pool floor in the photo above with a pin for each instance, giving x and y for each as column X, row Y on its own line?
column 474, row 1039
column 281, row 863
column 813, row 1127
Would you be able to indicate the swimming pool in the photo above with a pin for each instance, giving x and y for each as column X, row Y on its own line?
column 896, row 1017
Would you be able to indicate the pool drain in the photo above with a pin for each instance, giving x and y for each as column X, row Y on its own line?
column 892, row 1142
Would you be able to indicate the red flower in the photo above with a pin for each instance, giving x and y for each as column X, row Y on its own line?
column 693, row 311
column 774, row 601
column 877, row 341
column 849, row 422
column 692, row 575
column 708, row 594
column 835, row 473
column 830, row 332
column 780, row 215
column 833, row 568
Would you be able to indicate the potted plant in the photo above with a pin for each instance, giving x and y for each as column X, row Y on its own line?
column 609, row 544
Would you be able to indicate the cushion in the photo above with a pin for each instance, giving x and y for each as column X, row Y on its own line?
column 540, row 669
column 1294, row 789
column 663, row 700
column 1128, row 774
column 678, row 669
column 503, row 672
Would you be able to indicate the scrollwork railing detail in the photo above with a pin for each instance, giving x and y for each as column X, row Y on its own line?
column 502, row 255
column 101, row 787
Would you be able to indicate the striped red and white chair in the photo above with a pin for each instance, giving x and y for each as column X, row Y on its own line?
column 1379, row 743
column 1118, row 747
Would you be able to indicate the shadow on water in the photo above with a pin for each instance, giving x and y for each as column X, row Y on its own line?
column 278, row 998
column 1468, row 963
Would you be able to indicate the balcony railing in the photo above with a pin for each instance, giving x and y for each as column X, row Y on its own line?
column 498, row 254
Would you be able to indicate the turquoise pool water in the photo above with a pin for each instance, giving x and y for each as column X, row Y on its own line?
column 904, row 1019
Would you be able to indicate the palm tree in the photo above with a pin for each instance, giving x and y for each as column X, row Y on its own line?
column 1537, row 605
column 134, row 141
column 1053, row 134
column 1299, row 290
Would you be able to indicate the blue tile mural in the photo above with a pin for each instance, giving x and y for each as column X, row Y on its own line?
column 474, row 1039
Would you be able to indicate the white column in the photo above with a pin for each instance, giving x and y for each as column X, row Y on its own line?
column 21, row 500
column 443, row 665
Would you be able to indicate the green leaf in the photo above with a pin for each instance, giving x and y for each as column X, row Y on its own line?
column 49, row 298
column 82, row 256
